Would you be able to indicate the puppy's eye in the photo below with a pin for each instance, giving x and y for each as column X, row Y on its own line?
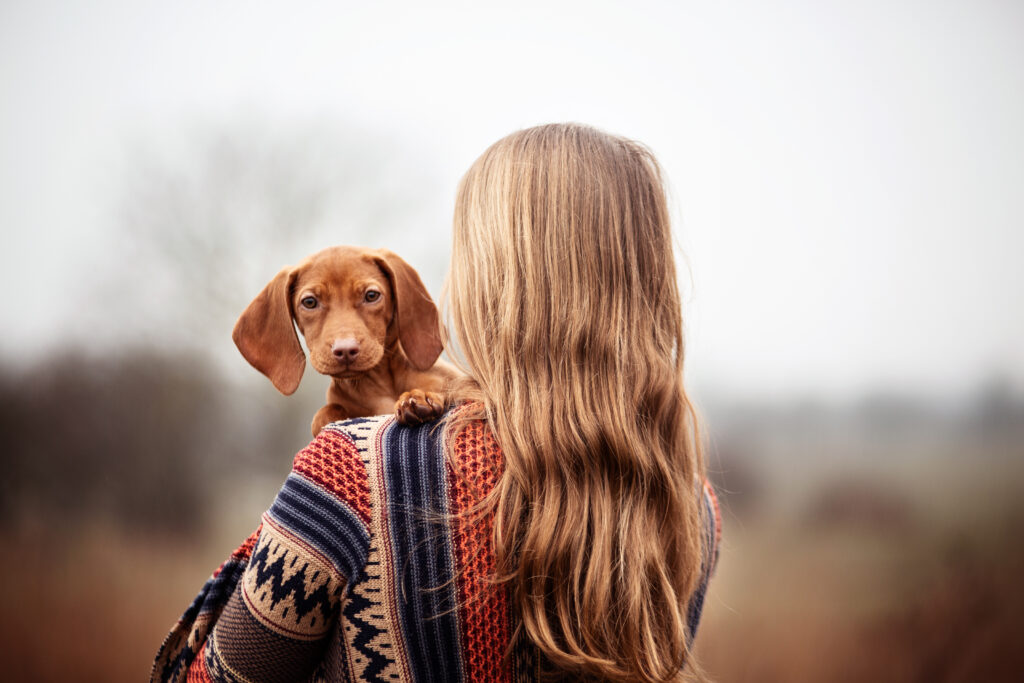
column 371, row 296
column 308, row 302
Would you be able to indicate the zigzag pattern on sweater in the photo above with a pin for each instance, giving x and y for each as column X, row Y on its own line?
column 358, row 611
column 376, row 650
column 290, row 593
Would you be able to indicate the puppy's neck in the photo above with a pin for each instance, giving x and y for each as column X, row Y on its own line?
column 375, row 391
column 370, row 393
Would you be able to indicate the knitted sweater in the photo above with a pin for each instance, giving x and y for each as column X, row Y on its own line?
column 364, row 569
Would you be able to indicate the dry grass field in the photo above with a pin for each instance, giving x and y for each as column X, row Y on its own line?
column 883, row 548
column 931, row 592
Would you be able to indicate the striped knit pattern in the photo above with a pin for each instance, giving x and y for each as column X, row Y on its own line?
column 372, row 564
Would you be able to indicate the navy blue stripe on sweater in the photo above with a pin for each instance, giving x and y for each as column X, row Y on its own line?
column 417, row 488
column 217, row 589
column 325, row 523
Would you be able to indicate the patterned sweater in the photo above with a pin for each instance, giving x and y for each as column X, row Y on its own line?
column 363, row 569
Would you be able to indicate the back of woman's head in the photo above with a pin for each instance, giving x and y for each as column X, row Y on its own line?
column 564, row 303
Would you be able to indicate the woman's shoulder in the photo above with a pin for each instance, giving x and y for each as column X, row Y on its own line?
column 352, row 458
column 409, row 462
column 469, row 436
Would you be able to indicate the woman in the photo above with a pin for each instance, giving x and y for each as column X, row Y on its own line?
column 558, row 524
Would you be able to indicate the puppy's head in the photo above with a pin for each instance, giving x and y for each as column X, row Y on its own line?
column 350, row 304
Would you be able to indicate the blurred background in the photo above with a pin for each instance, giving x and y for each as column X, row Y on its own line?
column 847, row 188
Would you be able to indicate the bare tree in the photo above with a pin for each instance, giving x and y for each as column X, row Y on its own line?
column 207, row 221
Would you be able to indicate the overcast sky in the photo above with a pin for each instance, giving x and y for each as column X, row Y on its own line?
column 847, row 175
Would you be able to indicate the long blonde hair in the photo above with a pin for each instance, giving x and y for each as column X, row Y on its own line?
column 563, row 301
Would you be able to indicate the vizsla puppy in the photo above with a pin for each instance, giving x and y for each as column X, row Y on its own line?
column 369, row 324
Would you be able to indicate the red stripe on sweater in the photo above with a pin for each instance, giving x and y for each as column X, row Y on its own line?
column 197, row 672
column 483, row 607
column 710, row 492
column 332, row 461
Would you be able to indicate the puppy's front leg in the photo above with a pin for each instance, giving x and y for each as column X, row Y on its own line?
column 332, row 412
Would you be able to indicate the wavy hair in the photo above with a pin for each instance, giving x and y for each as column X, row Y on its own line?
column 564, row 306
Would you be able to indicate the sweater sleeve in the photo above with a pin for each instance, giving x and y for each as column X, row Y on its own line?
column 712, row 539
column 268, row 613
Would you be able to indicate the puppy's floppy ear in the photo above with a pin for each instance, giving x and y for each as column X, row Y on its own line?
column 415, row 312
column 265, row 334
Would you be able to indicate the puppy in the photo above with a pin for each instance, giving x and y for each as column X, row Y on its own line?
column 369, row 324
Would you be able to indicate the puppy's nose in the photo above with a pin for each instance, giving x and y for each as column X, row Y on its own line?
column 345, row 349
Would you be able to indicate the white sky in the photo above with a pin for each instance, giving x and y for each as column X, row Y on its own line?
column 848, row 175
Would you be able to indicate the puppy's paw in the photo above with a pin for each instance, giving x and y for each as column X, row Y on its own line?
column 417, row 406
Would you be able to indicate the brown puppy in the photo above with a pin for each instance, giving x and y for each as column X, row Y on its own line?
column 369, row 324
